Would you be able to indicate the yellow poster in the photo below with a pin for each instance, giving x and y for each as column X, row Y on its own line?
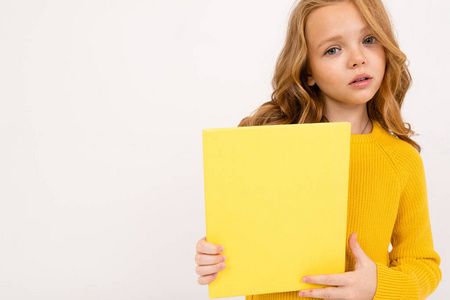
column 276, row 198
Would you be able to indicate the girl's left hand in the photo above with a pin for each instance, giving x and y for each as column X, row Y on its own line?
column 359, row 284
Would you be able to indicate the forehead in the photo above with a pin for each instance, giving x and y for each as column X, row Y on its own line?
column 331, row 20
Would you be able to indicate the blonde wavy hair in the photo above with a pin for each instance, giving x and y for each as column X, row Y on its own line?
column 293, row 101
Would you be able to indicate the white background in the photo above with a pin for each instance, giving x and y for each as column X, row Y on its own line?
column 102, row 107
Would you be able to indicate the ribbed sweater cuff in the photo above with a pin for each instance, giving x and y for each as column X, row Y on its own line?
column 393, row 284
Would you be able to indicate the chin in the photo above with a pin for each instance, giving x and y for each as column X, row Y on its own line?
column 363, row 98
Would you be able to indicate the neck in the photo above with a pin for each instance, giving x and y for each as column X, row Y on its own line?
column 357, row 117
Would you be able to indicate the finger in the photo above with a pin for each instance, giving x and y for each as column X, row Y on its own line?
column 207, row 279
column 324, row 293
column 207, row 270
column 352, row 239
column 329, row 279
column 205, row 247
column 206, row 259
column 361, row 258
column 355, row 247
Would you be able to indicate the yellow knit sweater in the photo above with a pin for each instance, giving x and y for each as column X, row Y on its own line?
column 387, row 203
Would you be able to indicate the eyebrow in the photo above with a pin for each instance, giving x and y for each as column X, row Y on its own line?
column 337, row 37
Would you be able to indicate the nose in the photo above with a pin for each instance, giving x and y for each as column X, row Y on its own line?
column 357, row 58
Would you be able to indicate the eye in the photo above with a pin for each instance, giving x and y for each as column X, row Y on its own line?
column 333, row 50
column 371, row 38
column 329, row 51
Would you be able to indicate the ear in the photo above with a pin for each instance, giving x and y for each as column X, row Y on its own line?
column 309, row 77
column 311, row 80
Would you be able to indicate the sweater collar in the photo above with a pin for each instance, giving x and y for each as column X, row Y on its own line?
column 377, row 130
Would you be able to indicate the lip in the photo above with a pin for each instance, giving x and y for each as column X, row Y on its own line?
column 359, row 76
column 361, row 84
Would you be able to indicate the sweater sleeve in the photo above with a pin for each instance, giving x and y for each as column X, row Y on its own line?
column 413, row 272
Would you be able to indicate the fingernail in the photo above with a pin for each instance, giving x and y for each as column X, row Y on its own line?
column 305, row 279
column 222, row 248
column 224, row 258
column 301, row 294
column 222, row 266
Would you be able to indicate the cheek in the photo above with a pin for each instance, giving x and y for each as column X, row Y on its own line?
column 381, row 59
column 329, row 74
column 320, row 69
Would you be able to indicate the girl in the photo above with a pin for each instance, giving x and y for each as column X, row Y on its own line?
column 341, row 63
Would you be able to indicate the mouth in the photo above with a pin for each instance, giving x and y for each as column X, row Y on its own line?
column 361, row 79
column 362, row 82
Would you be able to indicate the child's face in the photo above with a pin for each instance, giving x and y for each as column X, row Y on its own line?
column 333, row 65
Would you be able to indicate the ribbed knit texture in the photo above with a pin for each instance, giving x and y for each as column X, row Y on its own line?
column 387, row 203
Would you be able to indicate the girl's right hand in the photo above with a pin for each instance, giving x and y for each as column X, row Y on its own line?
column 209, row 261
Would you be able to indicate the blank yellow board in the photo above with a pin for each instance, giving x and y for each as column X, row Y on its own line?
column 276, row 198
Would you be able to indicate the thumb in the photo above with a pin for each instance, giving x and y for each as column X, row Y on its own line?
column 358, row 253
